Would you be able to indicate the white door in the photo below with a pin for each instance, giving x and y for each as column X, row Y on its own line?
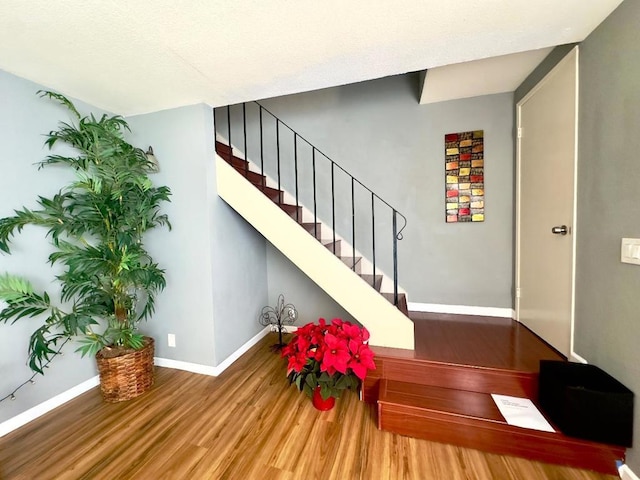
column 545, row 198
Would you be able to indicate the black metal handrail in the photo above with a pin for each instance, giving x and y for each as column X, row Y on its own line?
column 397, row 234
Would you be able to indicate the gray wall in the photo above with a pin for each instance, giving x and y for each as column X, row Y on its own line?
column 607, row 331
column 378, row 132
column 185, row 308
column 240, row 286
column 540, row 71
column 215, row 262
column 310, row 301
column 24, row 118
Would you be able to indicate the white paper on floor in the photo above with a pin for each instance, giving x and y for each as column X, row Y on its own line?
column 521, row 412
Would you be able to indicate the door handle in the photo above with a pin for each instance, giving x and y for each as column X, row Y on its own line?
column 560, row 230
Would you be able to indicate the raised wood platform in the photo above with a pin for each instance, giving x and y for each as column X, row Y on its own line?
column 441, row 391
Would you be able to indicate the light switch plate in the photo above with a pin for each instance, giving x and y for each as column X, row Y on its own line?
column 630, row 251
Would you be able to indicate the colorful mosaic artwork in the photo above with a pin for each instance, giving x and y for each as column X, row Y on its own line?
column 464, row 172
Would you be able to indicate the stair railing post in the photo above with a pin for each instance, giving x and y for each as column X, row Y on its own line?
column 278, row 153
column 373, row 232
column 315, row 205
column 244, row 133
column 333, row 208
column 261, row 151
column 353, row 224
column 229, row 131
column 395, row 257
column 295, row 162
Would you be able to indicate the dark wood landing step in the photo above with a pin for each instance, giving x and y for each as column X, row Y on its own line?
column 472, row 420
column 391, row 366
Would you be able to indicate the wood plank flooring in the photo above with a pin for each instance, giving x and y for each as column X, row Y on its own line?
column 247, row 423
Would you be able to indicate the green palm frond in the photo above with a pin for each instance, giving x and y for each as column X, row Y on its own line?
column 96, row 224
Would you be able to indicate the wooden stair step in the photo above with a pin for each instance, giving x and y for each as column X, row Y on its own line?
column 472, row 420
column 353, row 263
column 293, row 211
column 312, row 228
column 235, row 161
column 402, row 301
column 272, row 194
column 222, row 148
column 374, row 280
column 253, row 177
column 330, row 245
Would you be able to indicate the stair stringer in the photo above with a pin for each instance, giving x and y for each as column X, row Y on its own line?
column 386, row 324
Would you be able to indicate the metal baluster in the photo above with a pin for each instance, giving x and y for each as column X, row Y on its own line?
column 229, row 127
column 215, row 126
column 373, row 233
column 278, row 152
column 333, row 209
column 353, row 224
column 244, row 131
column 295, row 162
column 315, row 206
column 395, row 258
column 261, row 152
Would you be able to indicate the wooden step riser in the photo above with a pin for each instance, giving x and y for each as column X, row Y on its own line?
column 459, row 377
column 253, row 177
column 498, row 438
column 272, row 194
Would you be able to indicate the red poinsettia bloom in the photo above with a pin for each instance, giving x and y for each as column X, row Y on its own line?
column 336, row 350
column 352, row 332
column 336, row 354
column 296, row 363
column 361, row 359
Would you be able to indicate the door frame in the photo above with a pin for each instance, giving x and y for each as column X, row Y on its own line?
column 572, row 56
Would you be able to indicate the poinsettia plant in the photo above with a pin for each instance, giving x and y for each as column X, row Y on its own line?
column 334, row 357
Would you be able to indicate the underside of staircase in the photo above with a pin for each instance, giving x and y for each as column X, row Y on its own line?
column 442, row 391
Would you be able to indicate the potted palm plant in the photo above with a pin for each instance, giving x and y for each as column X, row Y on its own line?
column 96, row 225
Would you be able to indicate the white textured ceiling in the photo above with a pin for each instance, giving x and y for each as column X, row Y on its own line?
column 136, row 56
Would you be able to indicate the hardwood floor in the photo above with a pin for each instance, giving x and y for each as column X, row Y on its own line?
column 486, row 341
column 247, row 423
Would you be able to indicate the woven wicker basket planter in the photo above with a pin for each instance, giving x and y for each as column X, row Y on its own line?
column 127, row 375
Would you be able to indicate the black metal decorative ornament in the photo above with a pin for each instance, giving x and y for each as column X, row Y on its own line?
column 278, row 317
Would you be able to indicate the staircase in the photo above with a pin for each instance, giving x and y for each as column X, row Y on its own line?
column 296, row 212
column 327, row 259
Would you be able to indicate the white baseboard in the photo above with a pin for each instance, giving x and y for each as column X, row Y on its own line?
column 285, row 328
column 207, row 369
column 461, row 310
column 54, row 402
column 626, row 473
column 44, row 407
column 186, row 366
column 577, row 358
column 243, row 349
